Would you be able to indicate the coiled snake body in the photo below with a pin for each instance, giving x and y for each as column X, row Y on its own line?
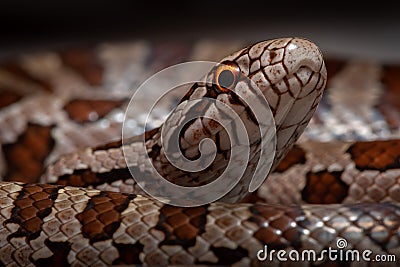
column 88, row 210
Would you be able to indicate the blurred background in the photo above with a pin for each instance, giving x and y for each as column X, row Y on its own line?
column 363, row 30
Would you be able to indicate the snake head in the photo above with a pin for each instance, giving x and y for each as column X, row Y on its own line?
column 274, row 88
column 291, row 74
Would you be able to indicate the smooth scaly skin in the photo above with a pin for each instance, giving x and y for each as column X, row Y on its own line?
column 90, row 227
column 291, row 75
column 104, row 228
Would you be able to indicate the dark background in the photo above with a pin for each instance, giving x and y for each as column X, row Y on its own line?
column 369, row 30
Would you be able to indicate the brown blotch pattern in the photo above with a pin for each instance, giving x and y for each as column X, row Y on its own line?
column 253, row 198
column 8, row 97
column 102, row 215
column 33, row 203
column 296, row 155
column 324, row 187
column 20, row 73
column 277, row 226
column 25, row 158
column 272, row 54
column 87, row 110
column 85, row 63
column 59, row 258
column 147, row 135
column 377, row 155
column 128, row 253
column 114, row 144
column 181, row 226
column 389, row 104
column 227, row 256
column 79, row 178
column 84, row 178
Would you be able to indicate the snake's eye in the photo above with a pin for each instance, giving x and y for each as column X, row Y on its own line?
column 225, row 77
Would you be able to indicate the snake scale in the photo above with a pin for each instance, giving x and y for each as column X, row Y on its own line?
column 68, row 199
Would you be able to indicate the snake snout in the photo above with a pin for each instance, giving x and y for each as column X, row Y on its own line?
column 302, row 52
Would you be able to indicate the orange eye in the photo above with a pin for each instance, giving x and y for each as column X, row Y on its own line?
column 225, row 77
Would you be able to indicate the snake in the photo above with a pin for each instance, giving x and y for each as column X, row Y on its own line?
column 68, row 196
